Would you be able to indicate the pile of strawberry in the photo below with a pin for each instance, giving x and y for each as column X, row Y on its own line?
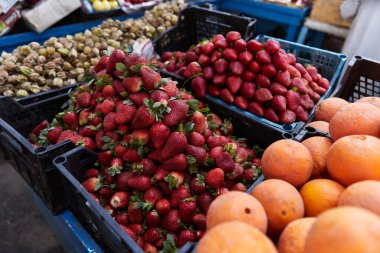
column 163, row 157
column 260, row 78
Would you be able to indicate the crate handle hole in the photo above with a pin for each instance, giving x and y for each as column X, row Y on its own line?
column 60, row 159
column 310, row 130
column 287, row 127
column 40, row 149
column 288, row 136
column 342, row 56
column 358, row 57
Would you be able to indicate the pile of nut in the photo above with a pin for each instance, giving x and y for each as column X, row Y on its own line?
column 34, row 68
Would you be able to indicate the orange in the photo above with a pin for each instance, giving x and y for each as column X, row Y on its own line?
column 319, row 195
column 356, row 118
column 282, row 203
column 320, row 125
column 235, row 237
column 327, row 108
column 293, row 238
column 237, row 206
column 354, row 158
column 344, row 230
column 370, row 100
column 318, row 148
column 363, row 194
column 287, row 160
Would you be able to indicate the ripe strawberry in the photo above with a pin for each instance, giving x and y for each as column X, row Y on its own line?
column 225, row 162
column 301, row 114
column 150, row 78
column 54, row 134
column 272, row 46
column 96, row 120
column 240, row 45
column 213, row 91
column 150, row 248
column 263, row 95
column 293, row 71
column 131, row 155
column 269, row 70
column 287, row 117
column 196, row 139
column 216, row 141
column 92, row 173
column 108, row 178
column 139, row 183
column 84, row 117
column 197, row 184
column 159, row 96
column 141, row 135
column 230, row 54
column 132, row 84
column 217, row 37
column 226, row 96
column 171, row 221
column 159, row 132
column 143, row 118
column 221, row 44
column 191, row 56
column 324, row 83
column 187, row 210
column 105, row 193
column 313, row 85
column 87, row 143
column 84, row 99
column 239, row 187
column 321, row 91
column 283, row 78
column 221, row 191
column 156, row 156
column 120, row 150
column 263, row 57
column 135, row 213
column 192, row 69
column 101, row 64
column 254, row 66
column 204, row 201
column 185, row 236
column 293, row 100
column 109, row 123
column 219, row 79
column 277, row 89
column 281, row 61
column 175, row 179
column 291, row 58
column 162, row 207
column 115, row 57
column 71, row 120
column 170, row 88
column 140, row 242
column 177, row 162
column 271, row 115
column 198, row 86
column 204, row 60
column 151, row 235
column 299, row 85
column 179, row 109
column 248, row 75
column 254, row 46
column 129, row 232
column 312, row 72
column 233, row 36
column 262, row 81
column 166, row 56
column 215, row 178
column 306, row 102
column 236, row 68
column 216, row 55
column 198, row 153
column 208, row 73
column 119, row 200
column 91, row 184
column 278, row 103
column 207, row 48
column 152, row 195
column 152, row 219
column 200, row 122
column 107, row 106
column 179, row 194
column 175, row 144
column 199, row 220
column 108, row 91
column 248, row 89
column 138, row 98
column 122, row 218
column 237, row 173
column 221, row 66
column 105, row 157
column 148, row 167
column 241, row 102
column 137, row 228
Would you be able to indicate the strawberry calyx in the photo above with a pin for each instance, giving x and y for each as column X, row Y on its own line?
column 186, row 129
column 172, row 181
column 156, row 109
column 192, row 163
column 114, row 170
column 169, row 245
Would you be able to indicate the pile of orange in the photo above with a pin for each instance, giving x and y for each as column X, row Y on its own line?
column 319, row 196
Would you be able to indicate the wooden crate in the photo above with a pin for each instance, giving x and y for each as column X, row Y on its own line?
column 328, row 11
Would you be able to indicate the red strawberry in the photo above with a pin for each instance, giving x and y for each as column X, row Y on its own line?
column 141, row 135
column 125, row 114
column 321, row 91
column 131, row 155
column 159, row 96
column 91, row 184
column 208, row 73
column 109, row 123
column 221, row 44
column 179, row 109
column 301, row 114
column 107, row 106
column 263, row 95
column 140, row 242
column 233, row 36
column 175, row 144
column 204, row 201
column 179, row 194
column 291, row 58
column 197, row 184
column 152, row 195
column 262, row 81
column 170, row 88
column 278, row 103
column 215, row 178
column 293, row 71
column 313, row 85
column 71, row 120
column 241, row 102
column 236, row 68
column 151, row 235
column 200, row 122
column 230, row 54
column 187, row 210
column 216, row 141
column 138, row 98
column 159, row 132
column 225, row 162
column 132, row 84
column 139, row 183
column 254, row 66
column 152, row 219
column 177, row 162
column 283, row 78
column 248, row 90
column 300, row 68
column 293, row 100
column 217, row 37
column 119, row 200
column 204, row 60
column 240, row 45
column 170, row 221
column 245, row 57
column 115, row 57
column 281, row 61
column 84, row 117
column 248, row 75
column 98, row 139
column 216, row 55
column 137, row 228
column 163, row 207
column 121, row 180
column 148, row 167
column 269, row 70
column 192, row 69
column 42, row 125
column 219, row 79
column 87, row 143
column 175, row 179
column 198, row 153
column 198, row 86
column 299, row 85
column 312, row 72
column 287, row 117
column 122, row 218
column 272, row 46
column 207, row 48
column 84, row 99
column 135, row 213
column 108, row 91
column 237, row 174
column 271, row 115
column 213, row 91
column 150, row 78
column 129, row 232
column 92, row 173
column 221, row 191
column 54, row 134
column 239, row 187
column 234, row 83
column 263, row 57
column 155, row 156
column 254, row 46
column 196, row 139
column 185, row 236
column 277, row 89
column 101, row 64
column 221, row 66
column 105, row 157
column 149, row 248
column 191, row 56
column 324, row 83
column 226, row 96
column 306, row 102
column 143, row 118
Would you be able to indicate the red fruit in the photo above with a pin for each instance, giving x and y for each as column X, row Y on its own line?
column 269, row 70
column 159, row 132
column 283, row 78
column 272, row 46
column 122, row 218
column 142, row 136
column 177, row 162
column 263, row 57
column 207, row 48
column 236, row 68
column 83, row 117
column 119, row 200
column 170, row 88
column 198, row 86
column 287, row 117
column 208, row 73
column 191, row 56
column 241, row 102
column 149, row 248
column 92, row 173
column 179, row 109
column 121, row 180
column 135, row 213
column 293, row 71
column 105, row 157
column 278, row 103
column 324, row 83
column 196, row 139
column 215, row 56
column 54, row 134
column 87, row 143
column 299, row 85
column 254, row 66
column 152, row 219
column 139, row 183
column 166, row 56
column 221, row 44
column 175, row 179
column 263, row 95
column 152, row 234
column 230, row 54
column 240, row 45
column 115, row 57
column 313, row 72
column 152, row 195
column 291, row 58
column 148, row 167
column 132, row 84
column 134, row 59
column 271, row 115
column 138, row 98
column 200, row 122
column 262, row 81
column 171, row 66
column 213, row 91
column 233, row 36
column 197, row 185
column 129, row 232
column 226, row 96
column 91, row 184
column 150, row 78
column 215, row 178
column 254, row 46
column 248, row 90
column 155, row 156
column 192, row 69
column 256, row 109
column 217, row 37
column 204, row 201
column 234, row 83
column 306, row 102
column 300, row 68
column 225, row 162
column 204, row 60
column 219, row 79
column 143, row 118
column 84, row 99
column 249, row 175
column 277, row 89
column 281, row 61
column 293, row 100
column 71, row 120
column 163, row 207
column 185, row 236
column 187, row 210
column 199, row 220
column 221, row 191
column 216, row 141
column 170, row 221
column 101, row 64
column 131, row 155
column 175, row 144
column 238, row 170
column 248, row 75
column 301, row 114
column 139, row 241
column 221, row 66
column 198, row 153
column 107, row 106
column 179, row 194
column 109, row 123
column 321, row 91
column 125, row 114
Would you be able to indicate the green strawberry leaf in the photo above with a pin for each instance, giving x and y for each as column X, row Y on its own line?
column 169, row 245
column 193, row 104
column 120, row 67
column 172, row 181
column 114, row 170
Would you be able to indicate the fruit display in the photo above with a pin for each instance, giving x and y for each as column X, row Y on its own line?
column 104, row 5
column 34, row 68
column 260, row 78
column 163, row 156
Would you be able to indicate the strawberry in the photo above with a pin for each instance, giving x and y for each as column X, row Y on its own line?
column 278, row 103
column 192, row 69
column 105, row 157
column 54, row 134
column 143, row 118
column 179, row 194
column 281, row 61
column 208, row 73
column 197, row 184
column 277, row 89
column 96, row 120
column 293, row 71
column 239, row 187
column 138, row 98
column 119, row 200
column 207, row 48
column 321, row 91
column 175, row 179
column 204, row 60
column 159, row 96
column 156, row 156
column 306, row 102
column 71, row 120
column 92, row 173
column 200, row 122
column 131, row 155
column 141, row 136
column 162, row 207
column 105, row 193
column 262, row 81
column 139, row 183
column 196, row 139
column 198, row 153
column 219, row 79
column 324, row 83
column 87, row 143
column 230, row 54
column 221, row 191
column 84, row 117
column 175, row 144
column 185, row 236
column 213, row 91
column 203, row 201
column 225, row 162
column 170, row 88
column 129, row 232
column 263, row 57
column 241, row 102
column 139, row 241
column 149, row 248
column 152, row 195
column 132, row 84
column 263, row 95
column 171, row 221
column 137, row 228
column 215, row 178
column 237, row 173
column 122, row 218
column 177, row 162
column 233, row 36
column 272, row 46
column 198, row 86
column 248, row 90
column 254, row 46
column 166, row 56
column 152, row 219
column 135, row 213
column 42, row 125
column 170, row 66
column 187, row 210
column 98, row 139
column 109, row 122
column 248, row 75
column 245, row 57
column 148, row 167
column 84, row 99
column 226, row 96
column 107, row 106
column 191, row 56
column 287, row 117
column 301, row 114
column 312, row 72
column 240, row 45
column 124, row 114
column 293, row 100
column 254, row 66
column 108, row 91
column 283, row 78
column 313, row 85
column 269, row 70
column 236, row 68
column 150, row 78
column 221, row 66
column 179, row 109
column 221, row 44
column 91, row 184
column 101, row 64
column 299, row 85
column 159, row 132
column 115, row 57
column 291, row 58
column 151, row 235
column 301, row 69
column 217, row 37
column 271, row 115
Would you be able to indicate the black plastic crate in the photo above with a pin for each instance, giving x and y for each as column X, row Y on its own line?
column 197, row 23
column 361, row 79
column 35, row 165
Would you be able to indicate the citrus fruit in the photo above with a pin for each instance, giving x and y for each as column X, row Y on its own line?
column 327, row 108
column 370, row 100
column 320, row 125
column 318, row 147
